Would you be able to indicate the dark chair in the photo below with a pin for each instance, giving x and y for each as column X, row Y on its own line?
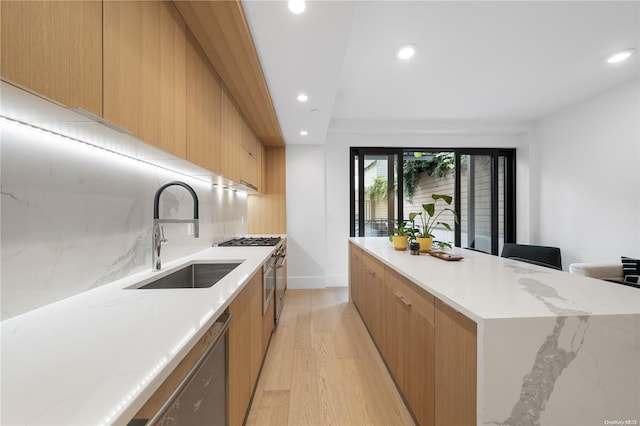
column 537, row 255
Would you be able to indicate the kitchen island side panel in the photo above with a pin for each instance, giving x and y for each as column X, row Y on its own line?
column 569, row 370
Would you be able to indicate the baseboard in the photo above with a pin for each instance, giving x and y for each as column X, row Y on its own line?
column 306, row 282
column 337, row 280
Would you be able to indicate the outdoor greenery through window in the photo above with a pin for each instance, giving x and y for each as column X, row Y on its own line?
column 480, row 181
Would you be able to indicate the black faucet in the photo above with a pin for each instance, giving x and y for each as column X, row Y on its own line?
column 158, row 233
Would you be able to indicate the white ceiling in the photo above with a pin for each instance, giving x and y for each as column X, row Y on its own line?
column 476, row 62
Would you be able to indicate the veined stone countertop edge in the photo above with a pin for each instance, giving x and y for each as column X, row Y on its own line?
column 487, row 287
column 95, row 358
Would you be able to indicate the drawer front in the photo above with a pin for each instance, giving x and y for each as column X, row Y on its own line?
column 421, row 301
column 372, row 267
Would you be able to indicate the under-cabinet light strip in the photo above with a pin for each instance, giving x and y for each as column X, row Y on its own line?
column 32, row 127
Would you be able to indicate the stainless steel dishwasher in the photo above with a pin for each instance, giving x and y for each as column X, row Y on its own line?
column 201, row 398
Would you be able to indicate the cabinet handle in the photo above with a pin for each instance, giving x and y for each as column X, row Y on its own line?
column 402, row 299
column 371, row 272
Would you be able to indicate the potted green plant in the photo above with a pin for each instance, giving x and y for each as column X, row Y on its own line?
column 425, row 235
column 400, row 235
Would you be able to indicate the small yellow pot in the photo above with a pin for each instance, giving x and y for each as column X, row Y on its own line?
column 425, row 244
column 400, row 242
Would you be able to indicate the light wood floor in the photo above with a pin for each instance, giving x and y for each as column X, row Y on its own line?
column 322, row 368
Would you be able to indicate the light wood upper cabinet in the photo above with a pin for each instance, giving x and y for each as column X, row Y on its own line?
column 145, row 72
column 231, row 135
column 204, row 110
column 267, row 212
column 54, row 48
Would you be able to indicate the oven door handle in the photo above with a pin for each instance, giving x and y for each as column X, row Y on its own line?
column 281, row 261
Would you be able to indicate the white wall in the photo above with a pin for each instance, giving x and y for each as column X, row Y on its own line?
column 587, row 168
column 584, row 156
column 75, row 217
column 306, row 246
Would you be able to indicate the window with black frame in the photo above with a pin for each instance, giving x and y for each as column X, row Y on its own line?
column 391, row 183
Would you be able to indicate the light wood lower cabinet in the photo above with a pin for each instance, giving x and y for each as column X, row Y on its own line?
column 245, row 348
column 373, row 296
column 429, row 348
column 355, row 273
column 456, row 367
column 410, row 343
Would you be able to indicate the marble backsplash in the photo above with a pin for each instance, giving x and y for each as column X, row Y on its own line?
column 75, row 217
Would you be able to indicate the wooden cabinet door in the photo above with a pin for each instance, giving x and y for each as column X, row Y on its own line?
column 456, row 367
column 262, row 170
column 231, row 134
column 239, row 357
column 54, row 48
column 411, row 344
column 419, row 367
column 255, row 287
column 245, row 348
column 395, row 323
column 355, row 271
column 145, row 71
column 204, row 109
column 373, row 290
column 248, row 156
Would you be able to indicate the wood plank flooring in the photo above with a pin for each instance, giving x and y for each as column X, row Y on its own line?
column 323, row 369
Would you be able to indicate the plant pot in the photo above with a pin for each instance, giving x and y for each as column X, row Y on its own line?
column 425, row 244
column 400, row 242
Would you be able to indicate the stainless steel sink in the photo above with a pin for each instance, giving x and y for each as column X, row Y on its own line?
column 199, row 275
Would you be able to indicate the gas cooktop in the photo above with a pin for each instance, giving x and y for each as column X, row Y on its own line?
column 251, row 241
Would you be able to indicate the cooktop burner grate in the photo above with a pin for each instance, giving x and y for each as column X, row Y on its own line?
column 251, row 241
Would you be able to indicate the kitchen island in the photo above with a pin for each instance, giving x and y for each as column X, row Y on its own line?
column 551, row 348
column 96, row 358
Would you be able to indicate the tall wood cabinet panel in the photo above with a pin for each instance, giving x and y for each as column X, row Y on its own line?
column 267, row 212
column 204, row 109
column 456, row 367
column 54, row 48
column 145, row 71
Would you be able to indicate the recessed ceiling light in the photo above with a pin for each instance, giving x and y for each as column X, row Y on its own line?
column 302, row 97
column 407, row 51
column 304, row 133
column 620, row 56
column 297, row 6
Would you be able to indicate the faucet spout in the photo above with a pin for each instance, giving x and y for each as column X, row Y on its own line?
column 158, row 234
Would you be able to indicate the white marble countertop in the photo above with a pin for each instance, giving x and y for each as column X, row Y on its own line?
column 485, row 287
column 96, row 358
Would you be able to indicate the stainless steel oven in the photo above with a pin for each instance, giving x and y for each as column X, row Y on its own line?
column 281, row 277
column 274, row 270
column 268, row 282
